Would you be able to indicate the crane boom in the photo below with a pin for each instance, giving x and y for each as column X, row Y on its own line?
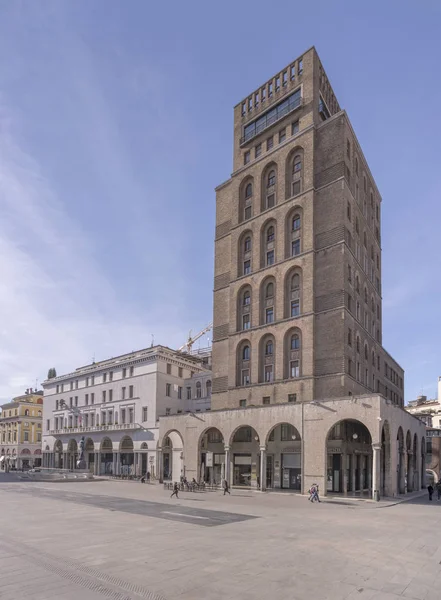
column 191, row 340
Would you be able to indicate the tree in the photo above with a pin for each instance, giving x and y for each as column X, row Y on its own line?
column 51, row 373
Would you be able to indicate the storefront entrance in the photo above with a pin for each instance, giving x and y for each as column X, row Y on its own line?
column 242, row 470
column 291, row 472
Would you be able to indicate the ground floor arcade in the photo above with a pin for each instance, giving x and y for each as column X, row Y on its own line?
column 350, row 445
column 107, row 453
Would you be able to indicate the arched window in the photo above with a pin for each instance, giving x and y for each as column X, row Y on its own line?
column 356, row 165
column 198, row 389
column 243, row 376
column 372, row 305
column 357, row 284
column 271, row 178
column 295, row 281
column 266, row 359
column 373, row 358
column 39, row 413
column 246, row 353
column 247, row 244
column 208, row 386
column 26, row 413
column 267, row 301
column 249, row 190
column 358, row 344
column 295, row 342
column 244, row 309
column 269, row 293
column 246, row 201
column 372, row 252
column 292, row 295
column 270, row 234
column 246, row 298
column 366, row 352
column 296, row 223
column 296, row 181
column 245, row 255
column 357, row 229
column 269, row 348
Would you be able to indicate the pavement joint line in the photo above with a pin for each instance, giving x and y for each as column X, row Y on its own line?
column 172, row 512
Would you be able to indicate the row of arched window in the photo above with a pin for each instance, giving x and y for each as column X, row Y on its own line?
column 268, row 370
column 267, row 301
column 269, row 188
column 269, row 241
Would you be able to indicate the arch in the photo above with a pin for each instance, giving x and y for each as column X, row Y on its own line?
column 25, row 451
column 269, row 187
column 37, row 452
column 26, row 413
column 106, row 445
column 243, row 363
column 89, row 446
column 268, row 240
column 126, row 444
column 244, row 307
column 246, row 196
column 208, row 387
column 385, row 461
column 267, row 358
column 294, row 172
column 293, row 232
column 211, row 440
column 293, row 432
column 350, row 471
column 244, row 253
column 423, row 462
column 292, row 352
column 72, row 446
column 267, row 301
column 144, row 446
column 58, row 446
column 47, row 449
column 172, row 439
column 293, row 293
column 198, row 389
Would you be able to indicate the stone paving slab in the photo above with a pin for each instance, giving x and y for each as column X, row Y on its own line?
column 294, row 549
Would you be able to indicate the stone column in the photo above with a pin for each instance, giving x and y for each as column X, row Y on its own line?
column 114, row 463
column 369, row 467
column 344, row 460
column 98, row 463
column 402, row 487
column 227, row 464
column 376, row 471
column 262, row 476
column 410, row 471
column 353, row 463
column 160, row 465
column 65, row 465
column 118, row 463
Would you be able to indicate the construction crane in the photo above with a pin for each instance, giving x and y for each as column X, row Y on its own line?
column 191, row 340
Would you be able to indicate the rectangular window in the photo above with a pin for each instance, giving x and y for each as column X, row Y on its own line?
column 71, row 401
column 300, row 66
column 58, row 389
column 286, row 433
column 179, row 393
column 48, row 424
column 246, row 324
column 104, row 395
column 71, row 385
column 269, row 315
column 277, row 83
column 282, row 135
column 180, row 372
column 92, row 419
column 273, row 115
column 295, row 308
column 56, row 423
column 111, row 376
column 247, row 267
column 242, row 402
column 295, row 247
column 258, row 150
column 270, row 201
column 247, row 213
column 270, row 89
column 349, row 211
column 93, row 379
column 76, row 400
column 103, row 418
column 295, row 128
column 130, row 391
column 250, row 103
column 110, row 417
column 86, row 399
column 245, row 377
column 132, row 371
column 296, row 189
column 285, row 78
column 62, row 387
column 76, row 384
column 377, row 212
column 266, row 400
column 167, row 412
column 246, row 157
column 358, row 371
column 256, row 99
column 292, row 397
column 268, row 373
column 349, row 337
column 244, row 108
column 168, row 389
column 131, row 415
column 294, row 368
column 123, row 416
column 269, row 143
column 263, row 94
column 123, row 393
column 293, row 72
column 188, row 393
column 124, row 373
column 110, row 395
column 92, row 398
column 104, row 377
column 270, row 257
column 87, row 382
column 169, row 369
column 144, row 413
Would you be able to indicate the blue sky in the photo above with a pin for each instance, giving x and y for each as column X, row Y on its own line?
column 115, row 127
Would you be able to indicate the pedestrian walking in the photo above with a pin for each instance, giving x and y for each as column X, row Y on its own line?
column 430, row 490
column 314, row 493
column 175, row 490
column 226, row 487
column 438, row 490
column 148, row 476
column 143, row 479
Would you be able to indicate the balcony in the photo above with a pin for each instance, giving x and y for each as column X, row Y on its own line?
column 95, row 429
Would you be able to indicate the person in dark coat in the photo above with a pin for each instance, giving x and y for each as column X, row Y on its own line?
column 226, row 487
column 175, row 490
column 430, row 490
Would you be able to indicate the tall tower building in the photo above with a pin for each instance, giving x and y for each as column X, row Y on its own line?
column 297, row 282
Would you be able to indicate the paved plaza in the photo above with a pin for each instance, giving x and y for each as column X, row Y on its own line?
column 126, row 541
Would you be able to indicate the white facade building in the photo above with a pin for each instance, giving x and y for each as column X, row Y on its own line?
column 198, row 392
column 115, row 405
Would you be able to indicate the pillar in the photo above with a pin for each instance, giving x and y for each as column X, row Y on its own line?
column 344, row 458
column 114, row 463
column 376, row 471
column 353, row 463
column 369, row 467
column 402, row 465
column 262, row 468
column 410, row 471
column 160, row 465
column 98, row 463
column 227, row 465
column 118, row 463
column 65, row 465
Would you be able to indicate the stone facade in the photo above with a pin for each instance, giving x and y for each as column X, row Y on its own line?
column 301, row 212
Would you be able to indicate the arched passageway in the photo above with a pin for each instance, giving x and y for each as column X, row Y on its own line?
column 245, row 457
column 172, row 463
column 105, row 464
column 349, row 458
column 127, row 456
column 283, row 458
column 212, row 456
column 401, row 462
column 72, row 455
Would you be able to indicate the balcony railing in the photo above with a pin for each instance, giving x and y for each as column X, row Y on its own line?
column 271, row 117
column 95, row 428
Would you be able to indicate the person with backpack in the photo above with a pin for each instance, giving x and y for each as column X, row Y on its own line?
column 175, row 490
column 314, row 493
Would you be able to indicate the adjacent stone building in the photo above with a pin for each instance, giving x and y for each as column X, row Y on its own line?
column 115, row 406
column 303, row 390
column 21, row 431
